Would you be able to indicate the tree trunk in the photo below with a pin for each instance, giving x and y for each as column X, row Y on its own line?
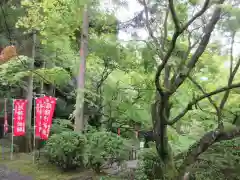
column 79, row 117
column 28, row 136
column 160, row 116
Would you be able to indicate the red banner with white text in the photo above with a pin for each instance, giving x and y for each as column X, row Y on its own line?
column 50, row 103
column 19, row 117
column 45, row 107
column 39, row 105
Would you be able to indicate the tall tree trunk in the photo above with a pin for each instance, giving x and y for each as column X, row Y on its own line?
column 30, row 84
column 160, row 116
column 30, row 97
column 79, row 116
column 42, row 80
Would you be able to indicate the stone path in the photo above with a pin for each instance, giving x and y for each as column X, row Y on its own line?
column 6, row 174
column 115, row 169
column 132, row 164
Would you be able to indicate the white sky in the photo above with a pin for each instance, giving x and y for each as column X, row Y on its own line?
column 127, row 13
column 124, row 14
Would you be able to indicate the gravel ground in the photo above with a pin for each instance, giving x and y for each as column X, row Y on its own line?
column 6, row 174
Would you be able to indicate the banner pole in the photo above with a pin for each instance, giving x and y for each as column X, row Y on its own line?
column 34, row 129
column 40, row 131
column 5, row 118
column 5, row 126
column 3, row 144
column 11, row 155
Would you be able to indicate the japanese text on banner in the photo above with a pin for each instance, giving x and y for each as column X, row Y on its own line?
column 19, row 117
column 39, row 115
column 46, row 123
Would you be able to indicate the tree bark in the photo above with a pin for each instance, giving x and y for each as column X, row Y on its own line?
column 79, row 113
column 30, row 84
column 28, row 137
column 202, row 145
column 160, row 116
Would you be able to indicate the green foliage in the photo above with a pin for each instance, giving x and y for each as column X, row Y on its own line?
column 221, row 160
column 12, row 72
column 148, row 59
column 149, row 164
column 56, row 75
column 104, row 146
column 232, row 24
column 66, row 150
column 61, row 125
column 125, row 73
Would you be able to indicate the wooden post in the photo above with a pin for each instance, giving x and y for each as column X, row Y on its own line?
column 79, row 117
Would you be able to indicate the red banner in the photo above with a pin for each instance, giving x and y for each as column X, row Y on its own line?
column 50, row 103
column 38, row 115
column 19, row 117
column 45, row 107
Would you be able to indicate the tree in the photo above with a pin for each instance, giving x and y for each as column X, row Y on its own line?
column 100, row 63
column 171, row 74
column 179, row 68
column 79, row 116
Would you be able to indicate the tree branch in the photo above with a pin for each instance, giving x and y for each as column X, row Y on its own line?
column 203, row 91
column 150, row 31
column 187, row 53
column 218, row 110
column 203, row 144
column 232, row 74
column 165, row 29
column 167, row 76
column 202, row 46
column 204, row 8
column 194, row 101
column 174, row 16
column 231, row 52
column 177, row 33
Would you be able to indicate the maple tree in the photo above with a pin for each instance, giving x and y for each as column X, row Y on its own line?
column 7, row 54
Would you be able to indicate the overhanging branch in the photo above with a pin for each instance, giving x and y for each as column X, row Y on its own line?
column 204, row 8
column 209, row 98
column 203, row 144
column 194, row 101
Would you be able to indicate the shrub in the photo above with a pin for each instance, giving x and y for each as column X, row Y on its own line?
column 61, row 125
column 66, row 150
column 104, row 147
column 149, row 164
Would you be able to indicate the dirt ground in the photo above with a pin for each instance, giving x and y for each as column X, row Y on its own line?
column 6, row 174
column 22, row 167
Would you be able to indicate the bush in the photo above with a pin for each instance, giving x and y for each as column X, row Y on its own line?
column 61, row 125
column 66, row 150
column 149, row 164
column 104, row 147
